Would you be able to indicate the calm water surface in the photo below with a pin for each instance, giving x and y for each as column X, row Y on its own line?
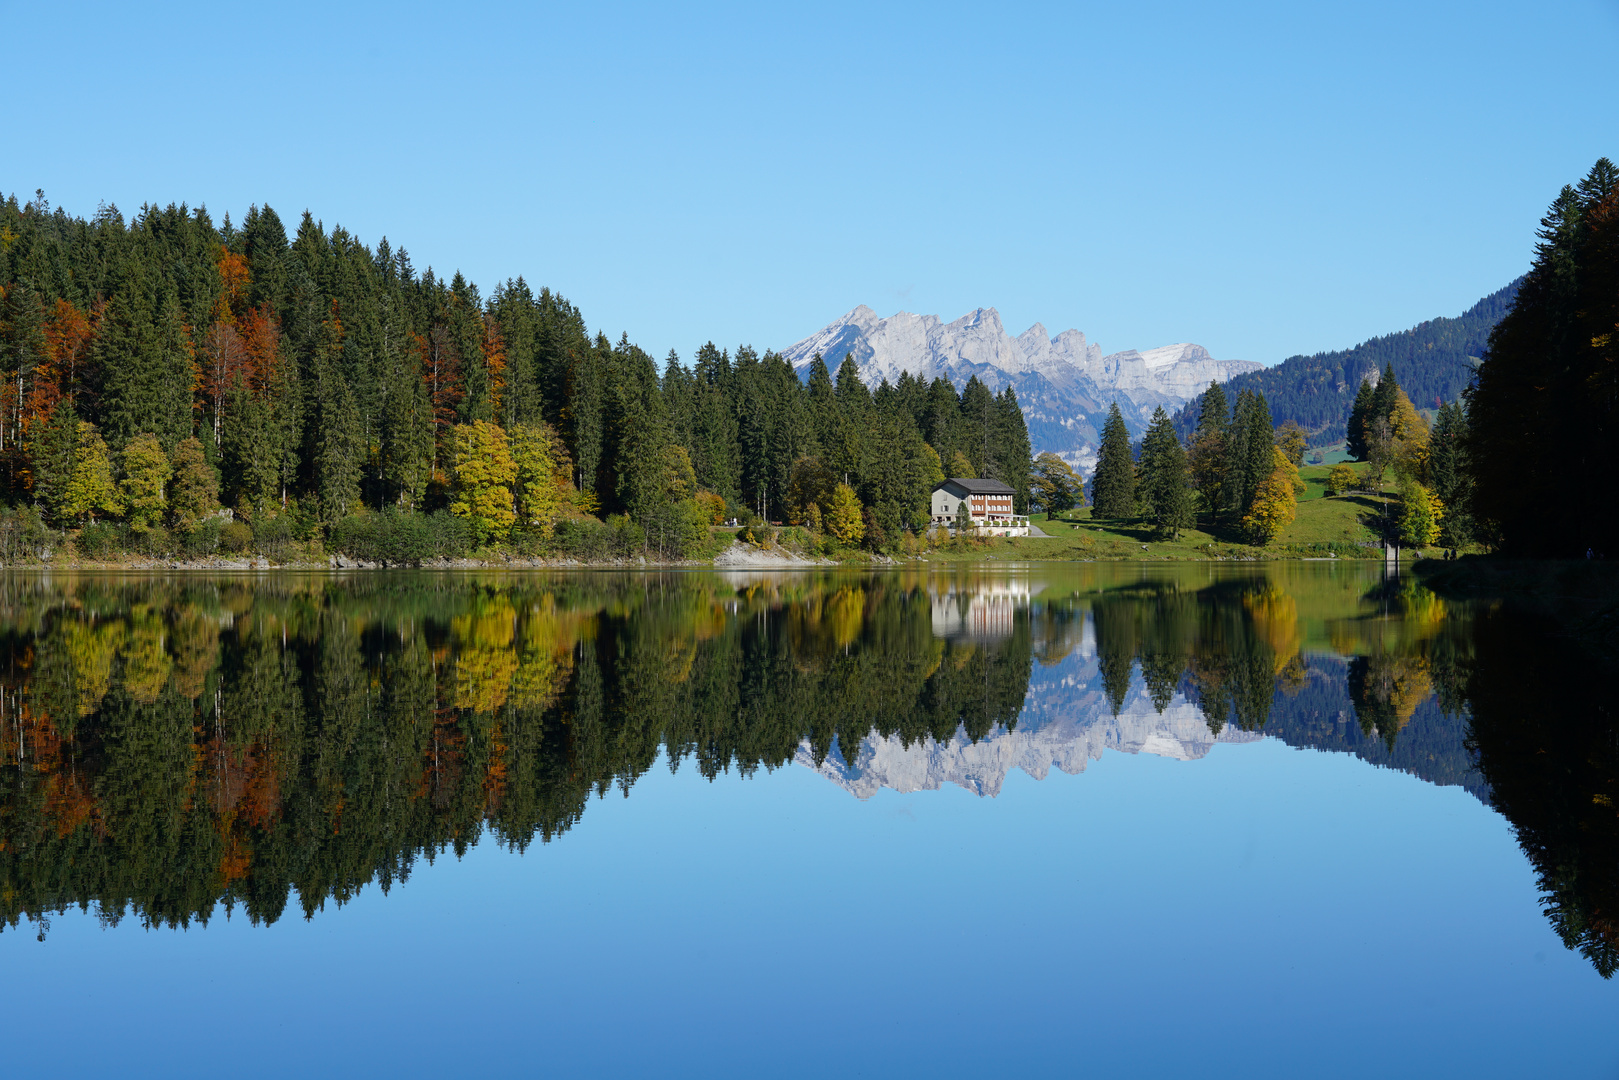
column 1263, row 820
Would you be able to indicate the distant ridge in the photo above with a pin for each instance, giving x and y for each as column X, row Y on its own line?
column 1434, row 362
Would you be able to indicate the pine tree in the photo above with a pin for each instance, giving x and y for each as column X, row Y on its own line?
column 54, row 452
column 407, row 430
column 1385, row 396
column 1355, row 439
column 1214, row 411
column 1165, row 489
column 1012, row 449
column 1448, row 471
column 1113, row 486
column 1249, row 446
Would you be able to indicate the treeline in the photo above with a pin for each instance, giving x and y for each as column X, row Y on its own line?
column 302, row 382
column 1238, row 471
column 1545, row 411
column 1436, row 361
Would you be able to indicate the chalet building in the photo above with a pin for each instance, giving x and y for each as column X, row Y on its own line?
column 989, row 502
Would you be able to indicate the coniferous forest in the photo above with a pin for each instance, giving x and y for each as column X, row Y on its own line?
column 162, row 369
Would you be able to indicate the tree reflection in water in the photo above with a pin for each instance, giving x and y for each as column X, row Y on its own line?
column 171, row 746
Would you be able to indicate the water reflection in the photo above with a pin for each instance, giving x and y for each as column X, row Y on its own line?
column 174, row 746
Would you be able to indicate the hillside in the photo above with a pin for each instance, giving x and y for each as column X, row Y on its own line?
column 1434, row 362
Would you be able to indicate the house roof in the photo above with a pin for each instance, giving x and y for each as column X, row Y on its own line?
column 976, row 487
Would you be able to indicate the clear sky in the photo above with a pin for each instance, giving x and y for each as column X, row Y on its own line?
column 1263, row 179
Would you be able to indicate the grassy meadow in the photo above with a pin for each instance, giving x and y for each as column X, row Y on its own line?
column 1325, row 527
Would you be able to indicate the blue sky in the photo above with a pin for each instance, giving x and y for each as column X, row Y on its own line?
column 1263, row 179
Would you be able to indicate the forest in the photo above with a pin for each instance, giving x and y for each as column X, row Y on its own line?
column 1544, row 415
column 1436, row 361
column 177, row 385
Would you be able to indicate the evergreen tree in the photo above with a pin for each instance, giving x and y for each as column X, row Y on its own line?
column 1385, row 397
column 1165, row 482
column 1113, row 486
column 1214, row 411
column 1011, row 448
column 54, row 452
column 1249, row 447
column 1355, row 438
column 406, row 453
column 1448, row 472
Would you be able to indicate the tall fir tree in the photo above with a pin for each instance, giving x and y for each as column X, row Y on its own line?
column 1113, row 485
column 1355, row 432
column 1165, row 482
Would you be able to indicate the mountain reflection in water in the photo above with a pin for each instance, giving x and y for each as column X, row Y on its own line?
column 169, row 746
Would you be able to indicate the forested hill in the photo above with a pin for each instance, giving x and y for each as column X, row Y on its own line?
column 159, row 367
column 1434, row 362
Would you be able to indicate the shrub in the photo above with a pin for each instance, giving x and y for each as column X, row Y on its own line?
column 273, row 537
column 100, row 539
column 154, row 542
column 202, row 539
column 234, row 537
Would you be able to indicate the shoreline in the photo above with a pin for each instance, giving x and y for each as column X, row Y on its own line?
column 753, row 558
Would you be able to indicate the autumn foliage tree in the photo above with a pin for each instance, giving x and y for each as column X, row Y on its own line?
column 484, row 475
column 1274, row 505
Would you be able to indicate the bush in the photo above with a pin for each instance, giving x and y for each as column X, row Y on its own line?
column 402, row 539
column 234, row 537
column 100, row 539
column 273, row 537
column 154, row 543
column 592, row 541
column 201, row 540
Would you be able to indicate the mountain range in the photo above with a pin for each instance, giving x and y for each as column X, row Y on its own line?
column 1064, row 383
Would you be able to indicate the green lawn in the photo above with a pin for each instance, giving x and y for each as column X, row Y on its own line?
column 1321, row 520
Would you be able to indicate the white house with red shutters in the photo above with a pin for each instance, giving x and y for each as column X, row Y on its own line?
column 989, row 503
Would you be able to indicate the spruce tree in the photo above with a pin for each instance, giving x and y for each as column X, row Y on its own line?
column 1359, row 415
column 1214, row 411
column 1012, row 450
column 1385, row 397
column 1165, row 489
column 1448, row 472
column 1113, row 486
column 1249, row 458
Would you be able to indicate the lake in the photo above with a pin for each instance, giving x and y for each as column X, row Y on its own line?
column 1289, row 819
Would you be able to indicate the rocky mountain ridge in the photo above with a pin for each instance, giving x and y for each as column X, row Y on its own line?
column 1064, row 383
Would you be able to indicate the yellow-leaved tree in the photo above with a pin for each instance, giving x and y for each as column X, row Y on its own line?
column 484, row 475
column 195, row 492
column 146, row 480
column 1420, row 514
column 713, row 506
column 843, row 515
column 542, row 475
column 90, row 487
column 1274, row 503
